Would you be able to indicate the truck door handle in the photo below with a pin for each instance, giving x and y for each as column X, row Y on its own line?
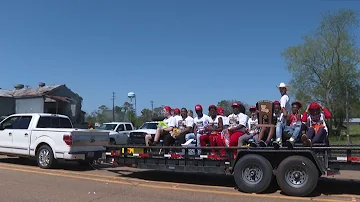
column 10, row 133
column 26, row 134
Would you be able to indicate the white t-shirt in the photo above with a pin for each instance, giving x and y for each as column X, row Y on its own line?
column 238, row 119
column 215, row 121
column 170, row 122
column 225, row 120
column 178, row 119
column 202, row 122
column 252, row 123
column 285, row 102
column 279, row 118
column 184, row 123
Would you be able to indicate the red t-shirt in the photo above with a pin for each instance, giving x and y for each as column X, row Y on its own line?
column 294, row 118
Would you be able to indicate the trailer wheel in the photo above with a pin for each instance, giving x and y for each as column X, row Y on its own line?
column 253, row 173
column 297, row 176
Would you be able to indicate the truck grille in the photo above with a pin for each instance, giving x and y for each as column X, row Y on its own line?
column 137, row 135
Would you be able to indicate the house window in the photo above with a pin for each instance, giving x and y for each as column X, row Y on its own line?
column 73, row 109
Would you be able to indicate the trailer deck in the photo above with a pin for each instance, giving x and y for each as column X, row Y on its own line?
column 253, row 168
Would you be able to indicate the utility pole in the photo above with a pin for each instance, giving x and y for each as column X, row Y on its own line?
column 152, row 109
column 113, row 108
column 152, row 106
column 347, row 117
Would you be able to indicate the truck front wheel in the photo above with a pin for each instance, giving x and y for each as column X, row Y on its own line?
column 297, row 176
column 253, row 173
column 45, row 157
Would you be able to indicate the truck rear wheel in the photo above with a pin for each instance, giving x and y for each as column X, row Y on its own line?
column 297, row 176
column 45, row 157
column 253, row 173
column 85, row 162
column 112, row 141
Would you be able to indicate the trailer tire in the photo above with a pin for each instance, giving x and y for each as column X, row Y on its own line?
column 297, row 176
column 253, row 173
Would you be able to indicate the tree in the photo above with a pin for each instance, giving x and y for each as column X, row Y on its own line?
column 158, row 113
column 227, row 105
column 324, row 67
column 146, row 115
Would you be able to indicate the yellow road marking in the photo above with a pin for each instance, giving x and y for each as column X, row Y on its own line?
column 117, row 177
column 167, row 187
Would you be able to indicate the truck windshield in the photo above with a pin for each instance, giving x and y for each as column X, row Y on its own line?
column 54, row 122
column 149, row 126
column 107, row 126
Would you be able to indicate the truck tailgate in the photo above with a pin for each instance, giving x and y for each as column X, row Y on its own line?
column 89, row 138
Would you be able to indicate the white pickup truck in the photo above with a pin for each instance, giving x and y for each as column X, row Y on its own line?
column 119, row 131
column 50, row 137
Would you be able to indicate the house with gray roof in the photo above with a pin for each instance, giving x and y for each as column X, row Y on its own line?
column 56, row 99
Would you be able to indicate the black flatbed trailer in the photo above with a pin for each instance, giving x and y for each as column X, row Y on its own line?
column 296, row 170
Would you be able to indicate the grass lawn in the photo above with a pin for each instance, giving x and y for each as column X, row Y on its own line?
column 354, row 136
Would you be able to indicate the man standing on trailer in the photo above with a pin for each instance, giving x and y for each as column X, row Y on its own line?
column 284, row 104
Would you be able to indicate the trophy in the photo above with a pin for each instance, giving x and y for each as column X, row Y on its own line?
column 265, row 112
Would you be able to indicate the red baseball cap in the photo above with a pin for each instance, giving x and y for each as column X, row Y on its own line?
column 168, row 109
column 220, row 111
column 276, row 102
column 198, row 107
column 252, row 108
column 236, row 104
column 314, row 105
column 177, row 110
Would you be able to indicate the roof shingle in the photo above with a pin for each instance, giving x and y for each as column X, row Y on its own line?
column 28, row 92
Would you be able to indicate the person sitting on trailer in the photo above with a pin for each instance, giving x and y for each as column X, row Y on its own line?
column 177, row 115
column 184, row 126
column 90, row 126
column 315, row 116
column 252, row 128
column 225, row 119
column 238, row 121
column 201, row 121
column 213, row 129
column 191, row 113
column 292, row 127
column 267, row 133
column 170, row 124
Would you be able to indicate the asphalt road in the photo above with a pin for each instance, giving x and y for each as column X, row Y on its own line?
column 24, row 181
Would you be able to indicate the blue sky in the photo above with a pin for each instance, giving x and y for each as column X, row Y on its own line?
column 176, row 53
